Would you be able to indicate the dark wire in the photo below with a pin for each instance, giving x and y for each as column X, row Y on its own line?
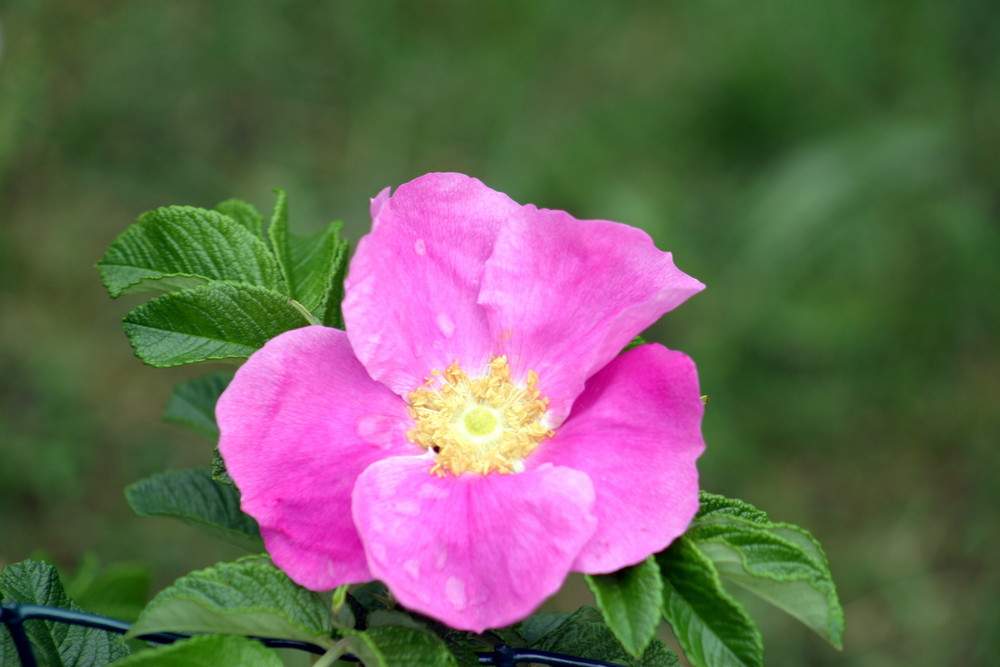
column 14, row 615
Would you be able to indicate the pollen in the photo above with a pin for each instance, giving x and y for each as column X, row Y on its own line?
column 481, row 425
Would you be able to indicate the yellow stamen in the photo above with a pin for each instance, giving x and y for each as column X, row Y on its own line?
column 481, row 425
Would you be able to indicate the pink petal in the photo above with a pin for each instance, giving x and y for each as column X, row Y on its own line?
column 567, row 295
column 410, row 303
column 299, row 422
column 474, row 551
column 636, row 431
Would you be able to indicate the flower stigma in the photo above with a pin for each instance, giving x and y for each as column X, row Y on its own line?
column 481, row 425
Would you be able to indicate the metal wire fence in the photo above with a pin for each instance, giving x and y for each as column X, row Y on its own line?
column 14, row 616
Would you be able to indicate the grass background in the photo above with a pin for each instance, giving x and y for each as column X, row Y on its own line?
column 828, row 169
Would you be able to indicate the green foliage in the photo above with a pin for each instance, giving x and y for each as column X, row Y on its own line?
column 781, row 563
column 398, row 646
column 711, row 505
column 630, row 600
column 584, row 634
column 713, row 629
column 195, row 498
column 212, row 322
column 206, row 651
column 313, row 266
column 118, row 590
column 733, row 541
column 192, row 403
column 57, row 644
column 247, row 597
column 178, row 247
column 244, row 213
column 228, row 291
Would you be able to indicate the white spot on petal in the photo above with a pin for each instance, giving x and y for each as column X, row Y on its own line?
column 445, row 324
column 378, row 551
column 420, row 247
column 442, row 558
column 378, row 430
column 407, row 507
column 412, row 568
column 454, row 592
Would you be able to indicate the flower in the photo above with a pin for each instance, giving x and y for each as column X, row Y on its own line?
column 475, row 434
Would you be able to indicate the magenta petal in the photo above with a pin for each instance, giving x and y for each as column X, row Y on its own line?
column 410, row 304
column 474, row 552
column 299, row 422
column 636, row 431
column 567, row 295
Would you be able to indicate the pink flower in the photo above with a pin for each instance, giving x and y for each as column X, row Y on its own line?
column 475, row 435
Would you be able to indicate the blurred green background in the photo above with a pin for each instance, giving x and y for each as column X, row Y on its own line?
column 829, row 169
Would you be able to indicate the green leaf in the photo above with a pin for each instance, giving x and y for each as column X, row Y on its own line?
column 244, row 213
column 206, row 651
column 711, row 505
column 398, row 646
column 219, row 472
column 192, row 496
column 657, row 655
column 8, row 652
column 630, row 600
column 179, row 247
column 714, row 630
column 635, row 342
column 465, row 646
column 192, row 403
column 210, row 322
column 313, row 265
column 329, row 310
column 780, row 563
column 540, row 624
column 57, row 644
column 584, row 634
column 247, row 597
column 119, row 590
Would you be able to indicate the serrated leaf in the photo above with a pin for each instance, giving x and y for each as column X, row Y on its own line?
column 465, row 647
column 8, row 652
column 244, row 213
column 711, row 505
column 397, row 646
column 540, row 624
column 713, row 629
column 250, row 596
column 584, row 634
column 781, row 563
column 211, row 322
column 630, row 601
column 219, row 472
column 372, row 596
column 657, row 655
column 179, row 247
column 193, row 497
column 310, row 264
column 57, row 644
column 192, row 403
column 206, row 651
column 329, row 310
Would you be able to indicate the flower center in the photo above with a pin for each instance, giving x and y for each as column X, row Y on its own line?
column 480, row 422
column 481, row 425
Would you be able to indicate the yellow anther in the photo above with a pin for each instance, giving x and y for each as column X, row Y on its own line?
column 481, row 425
